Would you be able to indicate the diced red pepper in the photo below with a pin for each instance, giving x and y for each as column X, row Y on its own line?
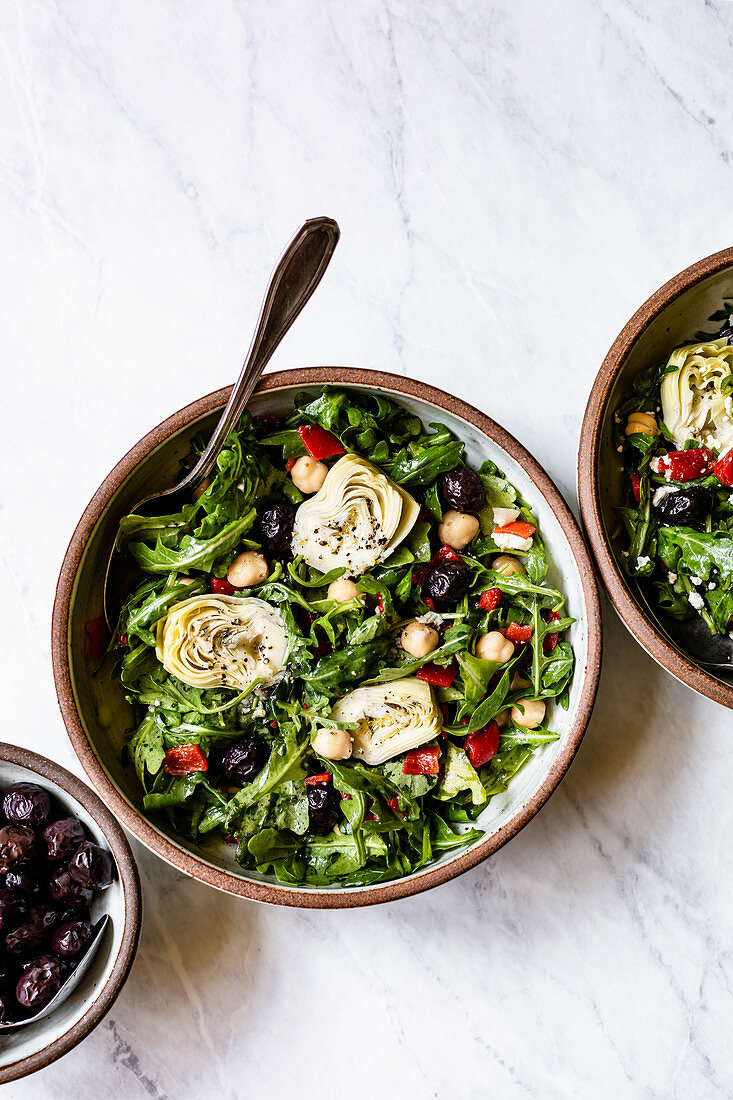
column 184, row 759
column 723, row 469
column 424, row 513
column 517, row 633
column 273, row 724
column 422, row 761
column 636, row 487
column 345, row 797
column 663, row 566
column 290, row 463
column 395, row 805
column 371, row 816
column 380, row 604
column 482, row 745
column 97, row 638
column 519, row 528
column 437, row 676
column 318, row 780
column 687, row 465
column 124, row 640
column 490, row 599
column 550, row 640
column 222, row 587
column 430, row 603
column 419, row 574
column 446, row 553
column 318, row 442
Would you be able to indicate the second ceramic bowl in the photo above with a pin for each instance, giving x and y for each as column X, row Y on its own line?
column 97, row 716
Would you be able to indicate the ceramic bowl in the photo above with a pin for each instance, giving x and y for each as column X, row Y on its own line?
column 97, row 717
column 37, row 1045
column 671, row 317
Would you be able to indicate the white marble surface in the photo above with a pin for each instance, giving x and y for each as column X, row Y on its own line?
column 511, row 180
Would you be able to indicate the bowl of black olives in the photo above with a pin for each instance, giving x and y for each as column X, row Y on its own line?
column 69, row 911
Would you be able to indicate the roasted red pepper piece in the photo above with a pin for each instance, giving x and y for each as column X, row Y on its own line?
column 380, row 604
column 290, row 463
column 184, row 759
column 430, row 603
column 550, row 640
column 422, row 761
column 482, row 745
column 317, row 780
column 222, row 587
column 437, row 676
column 490, row 599
column 97, row 638
column 394, row 805
column 686, row 465
column 518, row 527
column 419, row 574
column 318, row 442
column 517, row 633
column 446, row 553
column 636, row 487
column 723, row 469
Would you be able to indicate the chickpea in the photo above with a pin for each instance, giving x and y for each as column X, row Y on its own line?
column 247, row 569
column 419, row 639
column 531, row 715
column 332, row 744
column 506, row 565
column 458, row 529
column 343, row 590
column 198, row 493
column 494, row 647
column 641, row 422
column 308, row 474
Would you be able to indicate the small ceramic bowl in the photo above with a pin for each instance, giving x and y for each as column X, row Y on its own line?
column 37, row 1045
column 671, row 317
column 97, row 716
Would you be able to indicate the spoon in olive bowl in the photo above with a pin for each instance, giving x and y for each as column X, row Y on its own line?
column 298, row 273
column 68, row 986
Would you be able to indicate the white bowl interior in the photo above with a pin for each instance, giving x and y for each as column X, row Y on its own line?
column 16, row 1045
column 106, row 716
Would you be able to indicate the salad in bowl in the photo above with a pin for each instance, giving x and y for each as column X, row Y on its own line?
column 343, row 647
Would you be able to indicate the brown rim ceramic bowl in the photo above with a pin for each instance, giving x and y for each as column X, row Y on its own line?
column 37, row 1045
column 97, row 717
column 670, row 318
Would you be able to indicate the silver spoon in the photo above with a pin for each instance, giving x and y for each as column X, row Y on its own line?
column 68, row 987
column 293, row 281
column 713, row 652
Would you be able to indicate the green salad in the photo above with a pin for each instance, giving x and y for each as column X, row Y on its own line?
column 342, row 648
column 675, row 432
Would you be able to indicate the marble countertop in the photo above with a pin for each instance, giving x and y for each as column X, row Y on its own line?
column 511, row 181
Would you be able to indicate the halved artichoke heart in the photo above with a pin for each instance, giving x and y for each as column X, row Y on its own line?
column 356, row 519
column 222, row 641
column 693, row 406
column 392, row 718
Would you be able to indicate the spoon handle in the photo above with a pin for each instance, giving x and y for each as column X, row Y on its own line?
column 298, row 273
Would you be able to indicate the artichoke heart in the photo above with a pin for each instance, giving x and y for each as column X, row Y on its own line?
column 391, row 718
column 694, row 405
column 356, row 519
column 222, row 641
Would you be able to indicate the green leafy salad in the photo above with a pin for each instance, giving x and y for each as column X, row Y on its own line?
column 675, row 431
column 342, row 648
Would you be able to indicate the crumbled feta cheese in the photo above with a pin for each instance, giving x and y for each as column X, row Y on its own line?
column 431, row 618
column 672, row 578
column 503, row 516
column 696, row 600
column 511, row 542
column 711, row 586
column 661, row 493
column 697, row 581
column 642, row 561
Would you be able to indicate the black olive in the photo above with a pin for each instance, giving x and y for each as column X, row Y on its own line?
column 39, row 982
column 50, row 917
column 8, row 1007
column 275, row 529
column 323, row 807
column 25, row 879
column 26, row 804
column 71, row 938
column 63, row 837
column 244, row 759
column 17, row 842
column 462, row 489
column 91, row 866
column 27, row 937
column 446, row 582
column 685, row 507
column 13, row 908
column 63, row 888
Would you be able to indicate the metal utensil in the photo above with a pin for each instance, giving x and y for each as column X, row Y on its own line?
column 711, row 651
column 298, row 273
column 68, row 987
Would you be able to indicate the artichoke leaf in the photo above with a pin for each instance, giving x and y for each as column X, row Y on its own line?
column 694, row 403
column 389, row 719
